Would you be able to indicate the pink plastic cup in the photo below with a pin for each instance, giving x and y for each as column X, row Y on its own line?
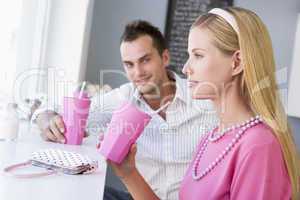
column 75, row 115
column 127, row 124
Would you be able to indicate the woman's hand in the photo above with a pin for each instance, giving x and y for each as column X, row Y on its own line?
column 133, row 180
column 127, row 167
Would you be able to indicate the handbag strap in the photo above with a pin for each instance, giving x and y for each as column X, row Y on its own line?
column 11, row 168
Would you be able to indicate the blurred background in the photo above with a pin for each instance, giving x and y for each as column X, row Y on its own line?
column 48, row 47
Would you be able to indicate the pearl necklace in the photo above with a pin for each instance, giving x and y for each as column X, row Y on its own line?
column 243, row 127
column 215, row 137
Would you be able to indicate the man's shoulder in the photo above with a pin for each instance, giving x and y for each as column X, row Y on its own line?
column 127, row 89
column 113, row 98
column 124, row 92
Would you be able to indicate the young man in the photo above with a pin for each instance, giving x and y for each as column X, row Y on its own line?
column 166, row 146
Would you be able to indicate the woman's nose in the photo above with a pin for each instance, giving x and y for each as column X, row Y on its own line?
column 186, row 69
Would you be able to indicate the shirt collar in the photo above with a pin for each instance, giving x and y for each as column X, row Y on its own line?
column 181, row 87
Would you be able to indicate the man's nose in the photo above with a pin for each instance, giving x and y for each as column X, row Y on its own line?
column 139, row 71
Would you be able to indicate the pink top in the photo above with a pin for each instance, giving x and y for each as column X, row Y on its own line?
column 253, row 169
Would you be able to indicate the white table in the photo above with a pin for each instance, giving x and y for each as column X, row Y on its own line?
column 54, row 187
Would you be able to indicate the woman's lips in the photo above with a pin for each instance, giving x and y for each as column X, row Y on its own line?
column 192, row 83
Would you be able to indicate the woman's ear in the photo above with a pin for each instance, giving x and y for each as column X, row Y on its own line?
column 237, row 66
column 166, row 57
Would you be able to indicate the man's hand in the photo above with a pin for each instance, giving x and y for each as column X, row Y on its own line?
column 52, row 127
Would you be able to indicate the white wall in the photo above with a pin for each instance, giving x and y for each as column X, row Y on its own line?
column 67, row 46
column 294, row 83
column 25, row 45
column 280, row 18
column 58, row 40
column 67, row 36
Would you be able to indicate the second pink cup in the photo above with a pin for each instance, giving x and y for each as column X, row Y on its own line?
column 127, row 124
column 75, row 116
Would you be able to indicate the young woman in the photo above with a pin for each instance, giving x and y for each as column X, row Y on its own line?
column 251, row 154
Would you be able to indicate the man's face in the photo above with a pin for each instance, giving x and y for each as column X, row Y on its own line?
column 143, row 64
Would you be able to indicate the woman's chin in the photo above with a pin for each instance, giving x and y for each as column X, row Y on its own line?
column 204, row 93
column 203, row 96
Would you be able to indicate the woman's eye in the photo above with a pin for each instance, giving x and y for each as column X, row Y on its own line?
column 198, row 55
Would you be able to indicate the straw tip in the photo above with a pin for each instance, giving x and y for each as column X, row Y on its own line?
column 82, row 89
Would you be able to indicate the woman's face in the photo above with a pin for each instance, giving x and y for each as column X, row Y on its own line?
column 209, row 70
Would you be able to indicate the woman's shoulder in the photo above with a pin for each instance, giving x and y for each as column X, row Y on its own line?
column 260, row 131
column 260, row 136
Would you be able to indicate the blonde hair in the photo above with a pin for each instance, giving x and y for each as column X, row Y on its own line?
column 258, row 83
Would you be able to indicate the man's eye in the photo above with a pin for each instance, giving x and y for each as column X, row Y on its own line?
column 145, row 60
column 128, row 66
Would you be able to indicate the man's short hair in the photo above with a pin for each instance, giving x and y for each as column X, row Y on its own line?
column 138, row 28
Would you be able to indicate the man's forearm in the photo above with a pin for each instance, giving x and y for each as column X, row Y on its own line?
column 138, row 187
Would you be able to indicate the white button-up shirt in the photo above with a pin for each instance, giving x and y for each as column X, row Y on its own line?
column 166, row 147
